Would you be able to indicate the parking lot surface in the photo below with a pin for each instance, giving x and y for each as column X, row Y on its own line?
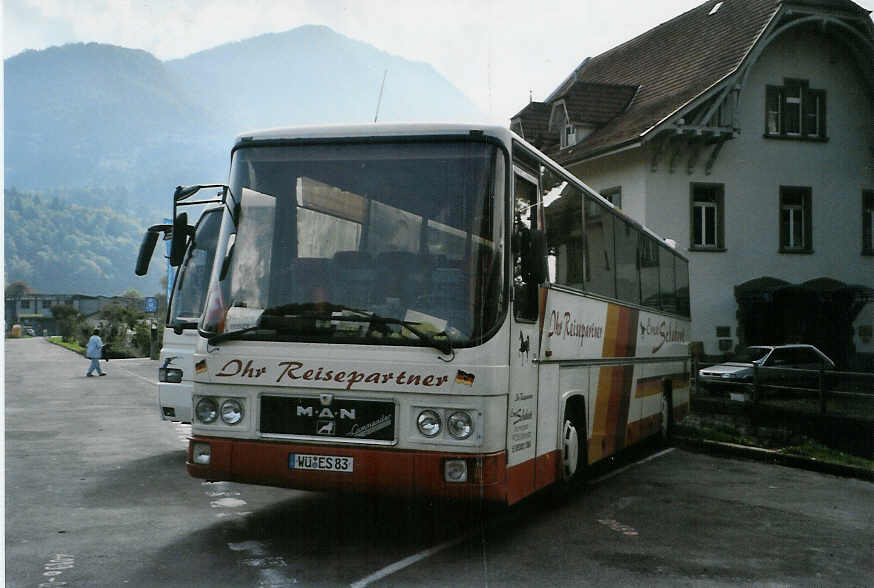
column 97, row 495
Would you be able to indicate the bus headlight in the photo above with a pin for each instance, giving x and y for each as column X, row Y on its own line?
column 429, row 424
column 460, row 425
column 232, row 411
column 206, row 410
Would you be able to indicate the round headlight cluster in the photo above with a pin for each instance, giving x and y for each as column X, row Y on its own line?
column 232, row 411
column 460, row 425
column 429, row 423
column 207, row 411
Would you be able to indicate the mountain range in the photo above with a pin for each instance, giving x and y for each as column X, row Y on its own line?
column 113, row 128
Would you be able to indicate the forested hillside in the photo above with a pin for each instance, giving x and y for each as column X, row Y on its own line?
column 103, row 134
column 58, row 246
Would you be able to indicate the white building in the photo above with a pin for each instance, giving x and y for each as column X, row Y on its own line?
column 744, row 131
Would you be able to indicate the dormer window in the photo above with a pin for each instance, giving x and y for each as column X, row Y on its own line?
column 795, row 111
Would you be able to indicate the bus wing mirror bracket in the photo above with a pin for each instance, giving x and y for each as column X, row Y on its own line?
column 182, row 231
column 147, row 247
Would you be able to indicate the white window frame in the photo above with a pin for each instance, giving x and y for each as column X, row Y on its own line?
column 699, row 209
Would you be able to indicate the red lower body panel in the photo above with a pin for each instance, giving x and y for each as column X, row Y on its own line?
column 381, row 471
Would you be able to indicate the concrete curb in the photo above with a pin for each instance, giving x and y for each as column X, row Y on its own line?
column 771, row 456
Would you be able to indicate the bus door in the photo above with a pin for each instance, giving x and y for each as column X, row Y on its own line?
column 524, row 339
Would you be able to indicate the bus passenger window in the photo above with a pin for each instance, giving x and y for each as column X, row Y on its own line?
column 627, row 276
column 599, row 260
column 563, row 220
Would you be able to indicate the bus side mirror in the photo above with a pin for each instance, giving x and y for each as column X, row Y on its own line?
column 147, row 248
column 179, row 239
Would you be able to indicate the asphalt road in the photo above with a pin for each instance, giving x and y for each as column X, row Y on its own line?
column 97, row 495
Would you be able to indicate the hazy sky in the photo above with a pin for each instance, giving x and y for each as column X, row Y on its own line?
column 494, row 51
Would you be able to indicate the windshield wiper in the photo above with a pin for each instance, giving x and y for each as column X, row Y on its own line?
column 444, row 347
column 325, row 311
column 215, row 339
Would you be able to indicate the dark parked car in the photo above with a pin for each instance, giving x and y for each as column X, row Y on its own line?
column 779, row 365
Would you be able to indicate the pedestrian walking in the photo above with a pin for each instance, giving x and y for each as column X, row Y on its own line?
column 94, row 352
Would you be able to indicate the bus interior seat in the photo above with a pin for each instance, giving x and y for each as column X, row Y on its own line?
column 354, row 275
column 312, row 280
column 401, row 274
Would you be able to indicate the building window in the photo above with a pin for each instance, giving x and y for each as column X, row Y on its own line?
column 708, row 217
column 868, row 222
column 570, row 136
column 795, row 220
column 613, row 196
column 795, row 111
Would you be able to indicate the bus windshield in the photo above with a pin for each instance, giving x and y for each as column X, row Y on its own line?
column 189, row 292
column 364, row 242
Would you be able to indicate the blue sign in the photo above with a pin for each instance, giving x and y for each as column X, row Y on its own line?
column 151, row 304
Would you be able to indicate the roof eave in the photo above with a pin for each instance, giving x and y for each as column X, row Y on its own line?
column 710, row 90
column 601, row 152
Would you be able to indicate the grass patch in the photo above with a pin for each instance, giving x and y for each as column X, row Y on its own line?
column 718, row 435
column 808, row 448
column 815, row 450
column 71, row 346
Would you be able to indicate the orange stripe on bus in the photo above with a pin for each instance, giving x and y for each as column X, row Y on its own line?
column 614, row 384
column 653, row 385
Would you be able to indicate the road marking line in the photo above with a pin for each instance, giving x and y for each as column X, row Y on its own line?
column 227, row 503
column 417, row 557
column 408, row 561
column 629, row 466
column 143, row 378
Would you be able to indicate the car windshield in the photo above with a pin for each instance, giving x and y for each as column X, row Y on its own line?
column 752, row 354
column 395, row 243
column 189, row 291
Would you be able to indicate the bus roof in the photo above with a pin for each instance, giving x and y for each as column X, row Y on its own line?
column 372, row 130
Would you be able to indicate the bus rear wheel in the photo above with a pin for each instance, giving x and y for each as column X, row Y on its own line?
column 667, row 417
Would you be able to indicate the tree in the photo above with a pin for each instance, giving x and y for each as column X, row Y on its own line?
column 118, row 319
column 69, row 320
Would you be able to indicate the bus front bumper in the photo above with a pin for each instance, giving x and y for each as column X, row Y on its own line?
column 371, row 470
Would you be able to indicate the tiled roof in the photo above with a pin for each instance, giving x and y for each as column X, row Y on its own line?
column 532, row 122
column 596, row 103
column 673, row 64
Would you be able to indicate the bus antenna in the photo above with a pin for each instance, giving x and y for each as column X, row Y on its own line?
column 379, row 100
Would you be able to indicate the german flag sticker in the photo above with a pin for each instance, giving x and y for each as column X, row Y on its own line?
column 200, row 367
column 464, row 378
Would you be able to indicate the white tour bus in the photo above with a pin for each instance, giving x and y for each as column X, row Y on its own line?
column 183, row 310
column 429, row 309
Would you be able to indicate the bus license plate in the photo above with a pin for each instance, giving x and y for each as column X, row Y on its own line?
column 321, row 463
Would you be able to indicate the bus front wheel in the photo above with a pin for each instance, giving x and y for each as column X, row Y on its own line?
column 573, row 448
